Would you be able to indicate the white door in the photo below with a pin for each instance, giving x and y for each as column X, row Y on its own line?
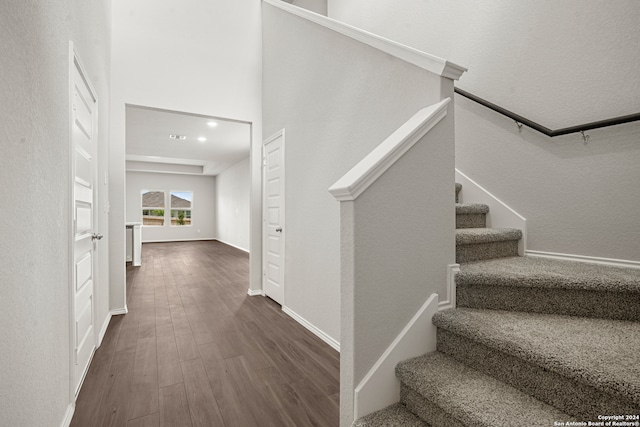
column 83, row 142
column 273, row 218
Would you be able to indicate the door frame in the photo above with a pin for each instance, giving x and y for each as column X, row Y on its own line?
column 75, row 62
column 279, row 134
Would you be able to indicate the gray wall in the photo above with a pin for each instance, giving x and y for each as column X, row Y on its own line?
column 560, row 64
column 35, row 197
column 203, row 212
column 232, row 205
column 336, row 99
column 577, row 199
column 317, row 6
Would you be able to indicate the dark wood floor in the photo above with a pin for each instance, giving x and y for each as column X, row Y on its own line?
column 195, row 350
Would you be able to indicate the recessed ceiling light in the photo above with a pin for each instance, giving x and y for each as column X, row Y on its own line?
column 202, row 139
column 212, row 124
column 174, row 136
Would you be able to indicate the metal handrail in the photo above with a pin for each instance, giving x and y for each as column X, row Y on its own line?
column 543, row 129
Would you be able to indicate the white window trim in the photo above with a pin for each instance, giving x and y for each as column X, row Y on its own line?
column 148, row 208
column 180, row 209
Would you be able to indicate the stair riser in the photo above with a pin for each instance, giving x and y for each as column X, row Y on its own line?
column 605, row 305
column 425, row 410
column 577, row 399
column 481, row 251
column 471, row 220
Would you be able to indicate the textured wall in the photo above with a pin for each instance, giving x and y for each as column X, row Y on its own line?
column 198, row 57
column 232, row 205
column 578, row 199
column 557, row 63
column 337, row 99
column 317, row 6
column 35, row 198
column 404, row 240
column 203, row 213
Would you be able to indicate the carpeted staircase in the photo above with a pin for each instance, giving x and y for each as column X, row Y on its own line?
column 532, row 341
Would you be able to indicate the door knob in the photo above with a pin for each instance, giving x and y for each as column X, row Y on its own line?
column 96, row 236
column 279, row 229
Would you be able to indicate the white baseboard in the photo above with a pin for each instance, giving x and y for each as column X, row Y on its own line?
column 68, row 416
column 500, row 214
column 233, row 246
column 254, row 292
column 178, row 240
column 450, row 301
column 588, row 259
column 317, row 332
column 380, row 387
column 119, row 311
column 103, row 329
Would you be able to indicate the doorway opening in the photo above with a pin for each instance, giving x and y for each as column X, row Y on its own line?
column 187, row 177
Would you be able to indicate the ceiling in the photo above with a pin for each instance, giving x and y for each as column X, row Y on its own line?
column 149, row 147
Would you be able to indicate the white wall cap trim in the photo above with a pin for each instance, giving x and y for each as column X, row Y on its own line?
column 588, row 259
column 428, row 62
column 311, row 327
column 381, row 158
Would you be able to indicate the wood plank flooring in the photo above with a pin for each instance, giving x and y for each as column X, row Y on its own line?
column 195, row 350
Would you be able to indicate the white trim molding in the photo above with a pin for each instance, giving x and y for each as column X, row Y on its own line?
column 380, row 387
column 119, row 311
column 428, row 62
column 450, row 302
column 587, row 259
column 103, row 329
column 255, row 292
column 381, row 158
column 500, row 215
column 316, row 331
column 233, row 246
column 68, row 416
column 180, row 240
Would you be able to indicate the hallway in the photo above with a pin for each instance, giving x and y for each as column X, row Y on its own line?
column 196, row 350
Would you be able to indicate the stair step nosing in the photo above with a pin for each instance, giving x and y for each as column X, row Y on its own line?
column 534, row 357
column 428, row 385
column 471, row 208
column 543, row 282
column 473, row 236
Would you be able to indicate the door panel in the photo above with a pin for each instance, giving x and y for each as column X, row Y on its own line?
column 83, row 140
column 273, row 218
column 84, row 221
column 84, row 271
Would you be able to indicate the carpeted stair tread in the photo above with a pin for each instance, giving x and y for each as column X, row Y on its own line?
column 471, row 215
column 600, row 353
column 396, row 415
column 469, row 397
column 549, row 273
column 471, row 236
column 471, row 208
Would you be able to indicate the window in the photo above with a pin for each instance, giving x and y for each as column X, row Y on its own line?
column 181, row 208
column 153, row 208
